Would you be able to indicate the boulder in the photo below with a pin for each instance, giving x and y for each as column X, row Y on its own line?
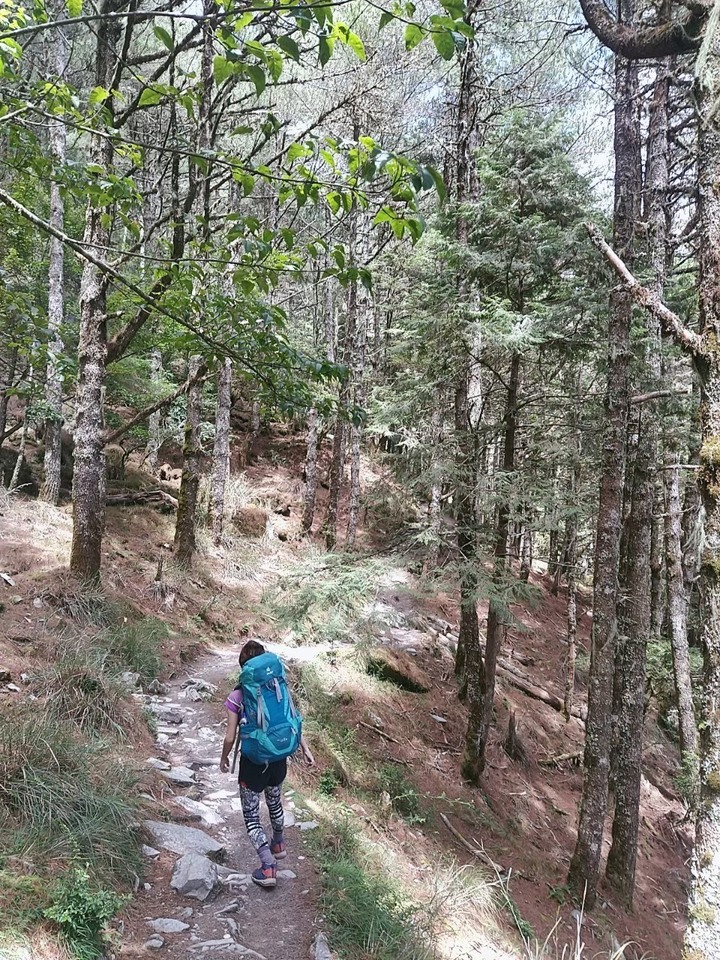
column 194, row 876
column 181, row 840
column 398, row 668
column 250, row 521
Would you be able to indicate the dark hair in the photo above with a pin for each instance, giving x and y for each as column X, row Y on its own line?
column 253, row 648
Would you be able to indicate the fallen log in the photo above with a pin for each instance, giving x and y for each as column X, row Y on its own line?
column 520, row 682
column 559, row 758
column 139, row 497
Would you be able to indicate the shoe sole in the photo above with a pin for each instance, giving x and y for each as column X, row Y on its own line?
column 267, row 884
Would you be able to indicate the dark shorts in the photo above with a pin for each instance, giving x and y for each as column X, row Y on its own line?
column 257, row 777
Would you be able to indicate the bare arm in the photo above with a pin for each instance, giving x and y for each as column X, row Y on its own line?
column 230, row 735
column 307, row 752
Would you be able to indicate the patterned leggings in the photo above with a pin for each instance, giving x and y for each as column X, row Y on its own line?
column 251, row 812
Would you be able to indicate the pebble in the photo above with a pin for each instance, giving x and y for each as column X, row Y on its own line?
column 154, row 943
column 158, row 764
column 309, row 825
column 37, row 602
column 287, row 875
column 150, row 852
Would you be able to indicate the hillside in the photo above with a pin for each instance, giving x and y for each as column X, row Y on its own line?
column 451, row 870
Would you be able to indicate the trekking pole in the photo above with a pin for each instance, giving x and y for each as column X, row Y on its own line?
column 237, row 747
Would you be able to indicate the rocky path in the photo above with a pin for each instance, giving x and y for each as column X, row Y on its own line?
column 197, row 900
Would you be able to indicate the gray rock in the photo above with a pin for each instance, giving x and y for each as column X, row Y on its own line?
column 130, row 678
column 157, row 688
column 181, row 840
column 309, row 825
column 180, row 776
column 157, row 763
column 320, row 949
column 166, row 731
column 227, row 948
column 186, row 913
column 154, row 943
column 232, row 907
column 194, row 876
column 200, row 810
column 150, row 852
column 168, row 925
column 287, row 875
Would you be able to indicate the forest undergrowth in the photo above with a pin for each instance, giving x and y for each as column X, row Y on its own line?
column 395, row 880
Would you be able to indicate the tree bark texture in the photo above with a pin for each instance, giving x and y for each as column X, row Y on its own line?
column 221, row 449
column 585, row 865
column 89, row 477
column 184, row 546
column 7, row 370
column 434, row 505
column 635, row 625
column 677, row 616
column 311, row 459
column 50, row 490
column 155, row 419
column 498, row 613
column 703, row 931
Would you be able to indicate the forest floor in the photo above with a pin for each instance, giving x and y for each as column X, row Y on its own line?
column 388, row 757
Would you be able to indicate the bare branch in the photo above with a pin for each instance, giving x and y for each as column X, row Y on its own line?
column 683, row 35
column 671, row 322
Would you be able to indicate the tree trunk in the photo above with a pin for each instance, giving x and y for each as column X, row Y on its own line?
column 636, row 629
column 703, row 930
column 677, row 616
column 221, row 449
column 526, row 553
column 8, row 378
column 434, row 506
column 89, row 477
column 497, row 608
column 585, row 865
column 571, row 616
column 50, row 490
column 311, row 458
column 184, row 547
column 153, row 444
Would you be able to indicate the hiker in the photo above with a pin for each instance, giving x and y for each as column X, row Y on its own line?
column 270, row 730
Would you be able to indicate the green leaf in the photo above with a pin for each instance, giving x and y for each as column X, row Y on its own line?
column 164, row 37
column 257, row 75
column 444, row 44
column 74, row 8
column 289, row 47
column 385, row 19
column 149, row 97
column 98, row 95
column 413, row 35
column 222, row 69
column 356, row 45
column 325, row 49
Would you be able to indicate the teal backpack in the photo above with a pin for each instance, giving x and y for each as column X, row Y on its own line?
column 272, row 727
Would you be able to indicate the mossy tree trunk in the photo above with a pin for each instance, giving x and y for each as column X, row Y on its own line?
column 585, row 865
column 184, row 546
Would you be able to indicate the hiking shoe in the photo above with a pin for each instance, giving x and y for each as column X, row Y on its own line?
column 278, row 850
column 265, row 877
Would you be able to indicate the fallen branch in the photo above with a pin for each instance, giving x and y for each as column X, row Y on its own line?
column 555, row 761
column 380, row 733
column 475, row 851
column 132, row 498
column 520, row 682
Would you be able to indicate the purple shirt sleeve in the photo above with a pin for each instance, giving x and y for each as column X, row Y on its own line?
column 234, row 702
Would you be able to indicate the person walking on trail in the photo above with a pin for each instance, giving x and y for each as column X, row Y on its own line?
column 261, row 710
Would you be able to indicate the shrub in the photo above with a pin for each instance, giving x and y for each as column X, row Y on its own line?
column 404, row 798
column 82, row 912
column 326, row 597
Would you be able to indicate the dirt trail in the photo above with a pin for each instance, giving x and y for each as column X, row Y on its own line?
column 242, row 920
